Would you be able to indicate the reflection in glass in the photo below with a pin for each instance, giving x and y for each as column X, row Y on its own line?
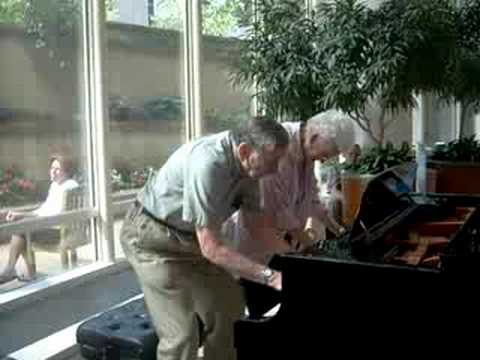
column 42, row 113
column 224, row 24
column 146, row 99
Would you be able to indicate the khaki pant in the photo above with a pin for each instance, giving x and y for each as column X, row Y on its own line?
column 182, row 289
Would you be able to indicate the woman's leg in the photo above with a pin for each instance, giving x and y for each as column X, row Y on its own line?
column 17, row 248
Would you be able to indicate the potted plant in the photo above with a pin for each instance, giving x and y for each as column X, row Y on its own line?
column 455, row 167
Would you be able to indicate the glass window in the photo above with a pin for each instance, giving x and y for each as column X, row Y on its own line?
column 146, row 98
column 42, row 118
column 224, row 22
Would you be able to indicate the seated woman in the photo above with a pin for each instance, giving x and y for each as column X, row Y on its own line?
column 60, row 176
column 291, row 194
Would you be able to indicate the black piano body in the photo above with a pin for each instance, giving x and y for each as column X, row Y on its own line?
column 404, row 277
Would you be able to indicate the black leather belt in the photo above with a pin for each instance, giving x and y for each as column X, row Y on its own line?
column 147, row 213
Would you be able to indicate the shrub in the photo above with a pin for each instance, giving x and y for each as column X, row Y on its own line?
column 16, row 189
column 466, row 149
column 376, row 159
column 123, row 177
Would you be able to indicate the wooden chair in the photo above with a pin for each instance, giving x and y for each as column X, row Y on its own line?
column 65, row 238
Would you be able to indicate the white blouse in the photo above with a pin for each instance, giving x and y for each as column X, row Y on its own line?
column 53, row 205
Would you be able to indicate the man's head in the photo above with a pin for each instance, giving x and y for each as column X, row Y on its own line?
column 260, row 144
column 328, row 134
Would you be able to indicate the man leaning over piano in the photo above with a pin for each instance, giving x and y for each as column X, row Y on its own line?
column 291, row 194
column 172, row 237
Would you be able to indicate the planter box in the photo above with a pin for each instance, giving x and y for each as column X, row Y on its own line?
column 453, row 177
column 353, row 186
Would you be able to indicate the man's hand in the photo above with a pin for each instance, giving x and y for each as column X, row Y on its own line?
column 299, row 239
column 213, row 249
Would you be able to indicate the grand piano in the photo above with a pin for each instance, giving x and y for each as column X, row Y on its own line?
column 403, row 280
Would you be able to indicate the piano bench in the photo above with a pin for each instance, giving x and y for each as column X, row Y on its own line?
column 122, row 332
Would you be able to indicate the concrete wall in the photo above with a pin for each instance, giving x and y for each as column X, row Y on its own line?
column 44, row 90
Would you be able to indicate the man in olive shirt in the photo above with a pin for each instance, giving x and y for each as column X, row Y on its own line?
column 172, row 237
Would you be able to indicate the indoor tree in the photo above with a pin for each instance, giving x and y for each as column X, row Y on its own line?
column 280, row 58
column 461, row 81
column 348, row 56
column 384, row 56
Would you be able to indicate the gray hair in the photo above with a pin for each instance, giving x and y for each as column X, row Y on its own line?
column 260, row 131
column 335, row 126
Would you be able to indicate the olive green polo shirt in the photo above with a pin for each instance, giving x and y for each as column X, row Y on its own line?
column 201, row 184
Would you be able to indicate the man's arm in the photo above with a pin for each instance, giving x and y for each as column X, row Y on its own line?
column 332, row 225
column 215, row 251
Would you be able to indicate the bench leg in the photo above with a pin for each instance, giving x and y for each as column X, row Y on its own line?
column 64, row 258
column 30, row 257
column 73, row 258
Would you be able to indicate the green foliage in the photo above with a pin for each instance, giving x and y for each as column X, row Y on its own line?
column 169, row 15
column 12, row 11
column 376, row 159
column 385, row 55
column 52, row 22
column 223, row 17
column 111, row 7
column 346, row 55
column 220, row 17
column 281, row 56
column 124, row 177
column 466, row 149
column 424, row 36
column 217, row 120
column 165, row 108
column 122, row 108
column 347, row 50
column 468, row 25
column 462, row 78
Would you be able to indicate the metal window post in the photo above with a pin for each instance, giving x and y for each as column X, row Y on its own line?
column 192, row 65
column 95, row 45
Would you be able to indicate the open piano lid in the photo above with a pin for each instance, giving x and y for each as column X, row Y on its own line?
column 386, row 195
column 387, row 202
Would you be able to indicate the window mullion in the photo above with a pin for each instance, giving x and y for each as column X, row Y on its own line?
column 192, row 60
column 95, row 38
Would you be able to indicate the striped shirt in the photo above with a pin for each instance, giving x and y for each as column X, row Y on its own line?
column 290, row 195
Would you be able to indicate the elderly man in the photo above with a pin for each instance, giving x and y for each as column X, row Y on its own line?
column 291, row 195
column 172, row 237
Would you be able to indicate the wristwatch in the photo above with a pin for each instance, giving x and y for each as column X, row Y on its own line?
column 267, row 275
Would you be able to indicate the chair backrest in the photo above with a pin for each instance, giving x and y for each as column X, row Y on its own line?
column 73, row 199
column 76, row 233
